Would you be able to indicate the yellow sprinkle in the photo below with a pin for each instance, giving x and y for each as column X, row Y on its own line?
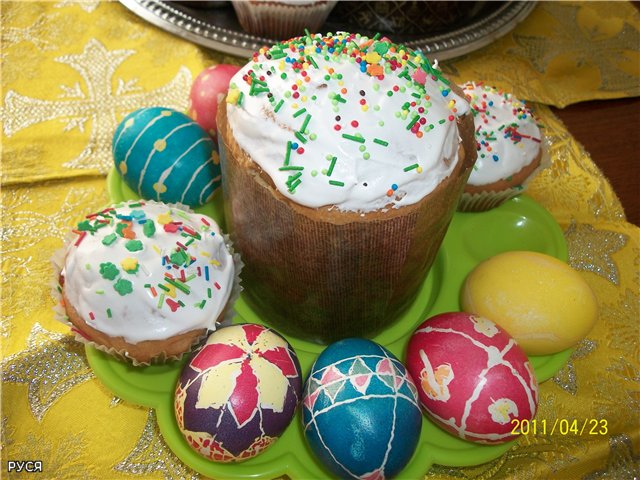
column 365, row 108
column 129, row 264
column 305, row 65
column 164, row 218
column 233, row 95
column 298, row 82
column 172, row 290
column 294, row 105
column 373, row 57
column 205, row 254
column 215, row 262
column 341, row 82
column 157, row 250
column 303, row 98
column 419, row 169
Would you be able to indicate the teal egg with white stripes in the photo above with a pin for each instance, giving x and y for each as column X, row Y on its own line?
column 164, row 155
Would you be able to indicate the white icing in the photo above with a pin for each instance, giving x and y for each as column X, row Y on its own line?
column 264, row 133
column 145, row 313
column 501, row 151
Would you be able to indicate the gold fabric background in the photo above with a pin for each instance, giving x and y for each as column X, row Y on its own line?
column 72, row 70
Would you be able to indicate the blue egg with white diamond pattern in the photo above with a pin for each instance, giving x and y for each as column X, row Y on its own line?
column 164, row 155
column 361, row 414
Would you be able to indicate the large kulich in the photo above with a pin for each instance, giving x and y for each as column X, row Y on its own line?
column 343, row 161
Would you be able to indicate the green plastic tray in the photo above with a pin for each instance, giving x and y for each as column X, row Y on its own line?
column 519, row 224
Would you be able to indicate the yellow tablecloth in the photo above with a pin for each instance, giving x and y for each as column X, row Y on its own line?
column 72, row 70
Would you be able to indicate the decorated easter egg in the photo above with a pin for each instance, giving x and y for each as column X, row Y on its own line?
column 541, row 301
column 209, row 87
column 164, row 155
column 473, row 379
column 361, row 412
column 238, row 393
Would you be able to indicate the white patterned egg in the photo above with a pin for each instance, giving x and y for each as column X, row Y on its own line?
column 164, row 155
column 473, row 379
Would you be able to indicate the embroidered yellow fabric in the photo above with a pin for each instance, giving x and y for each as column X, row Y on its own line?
column 72, row 70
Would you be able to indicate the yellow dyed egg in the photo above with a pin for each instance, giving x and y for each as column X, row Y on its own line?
column 539, row 300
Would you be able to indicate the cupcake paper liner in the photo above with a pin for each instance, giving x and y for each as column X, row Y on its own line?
column 483, row 201
column 281, row 20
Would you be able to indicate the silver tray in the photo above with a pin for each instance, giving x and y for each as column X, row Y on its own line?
column 218, row 28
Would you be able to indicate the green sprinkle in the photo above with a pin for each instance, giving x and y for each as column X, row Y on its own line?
column 133, row 245
column 160, row 300
column 300, row 137
column 179, row 285
column 108, row 271
column 366, row 155
column 313, row 136
column 100, row 292
column 333, row 164
column 299, row 112
column 411, row 167
column 294, row 185
column 162, row 287
column 314, row 173
column 413, row 121
column 108, row 313
column 123, row 287
column 179, row 258
column 109, row 239
column 336, row 183
column 313, row 62
column 353, row 137
column 380, row 142
column 305, row 123
column 240, row 98
column 293, row 178
column 149, row 228
column 280, row 103
column 86, row 226
column 287, row 156
column 291, row 167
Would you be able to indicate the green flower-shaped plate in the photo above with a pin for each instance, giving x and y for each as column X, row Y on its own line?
column 519, row 224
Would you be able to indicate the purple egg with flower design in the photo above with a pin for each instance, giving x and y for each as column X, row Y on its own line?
column 238, row 393
column 361, row 411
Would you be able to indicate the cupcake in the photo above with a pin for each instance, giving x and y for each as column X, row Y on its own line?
column 509, row 144
column 282, row 19
column 343, row 160
column 146, row 281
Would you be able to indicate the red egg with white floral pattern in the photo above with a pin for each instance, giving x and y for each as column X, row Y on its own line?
column 209, row 87
column 473, row 379
column 238, row 393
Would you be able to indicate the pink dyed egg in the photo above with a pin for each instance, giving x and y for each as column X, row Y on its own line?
column 473, row 379
column 209, row 87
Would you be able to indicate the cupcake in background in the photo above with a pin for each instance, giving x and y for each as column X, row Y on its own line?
column 511, row 148
column 282, row 19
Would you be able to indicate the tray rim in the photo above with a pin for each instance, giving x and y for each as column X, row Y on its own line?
column 197, row 29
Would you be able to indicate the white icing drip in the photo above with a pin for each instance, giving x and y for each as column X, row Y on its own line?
column 493, row 120
column 137, row 316
column 264, row 133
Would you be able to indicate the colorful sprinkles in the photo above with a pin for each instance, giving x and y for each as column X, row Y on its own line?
column 132, row 231
column 295, row 75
